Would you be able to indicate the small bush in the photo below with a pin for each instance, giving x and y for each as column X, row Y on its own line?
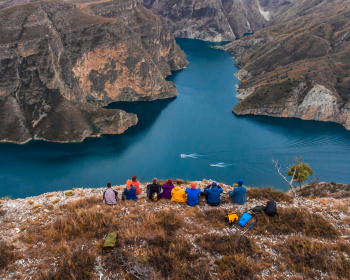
column 7, row 254
column 69, row 193
column 87, row 223
column 235, row 267
column 31, row 202
column 55, row 201
column 269, row 194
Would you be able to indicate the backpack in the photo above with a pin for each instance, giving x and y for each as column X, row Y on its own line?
column 154, row 196
column 271, row 208
column 110, row 241
column 230, row 218
column 258, row 209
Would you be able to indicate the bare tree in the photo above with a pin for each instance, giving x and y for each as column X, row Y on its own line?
column 290, row 183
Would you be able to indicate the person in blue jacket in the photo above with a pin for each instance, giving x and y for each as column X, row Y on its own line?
column 193, row 194
column 238, row 194
column 129, row 193
column 212, row 194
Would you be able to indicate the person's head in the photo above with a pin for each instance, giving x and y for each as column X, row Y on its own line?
column 134, row 178
column 240, row 182
column 154, row 181
column 109, row 185
column 169, row 182
column 214, row 184
column 193, row 185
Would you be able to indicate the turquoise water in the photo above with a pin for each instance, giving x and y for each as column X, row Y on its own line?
column 198, row 121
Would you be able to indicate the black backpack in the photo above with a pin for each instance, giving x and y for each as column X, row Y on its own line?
column 271, row 208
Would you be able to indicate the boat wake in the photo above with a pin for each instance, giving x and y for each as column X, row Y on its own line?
column 190, row 155
column 220, row 164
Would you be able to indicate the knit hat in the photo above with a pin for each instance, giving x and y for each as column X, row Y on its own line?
column 240, row 182
column 169, row 182
column 213, row 184
column 193, row 185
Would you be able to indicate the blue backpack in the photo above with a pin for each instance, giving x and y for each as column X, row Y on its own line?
column 244, row 219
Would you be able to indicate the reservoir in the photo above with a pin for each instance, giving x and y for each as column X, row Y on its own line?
column 199, row 125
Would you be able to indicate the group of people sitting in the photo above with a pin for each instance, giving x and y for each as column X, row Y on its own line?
column 155, row 191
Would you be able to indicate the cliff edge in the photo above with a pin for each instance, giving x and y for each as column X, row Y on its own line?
column 299, row 66
column 60, row 235
column 61, row 61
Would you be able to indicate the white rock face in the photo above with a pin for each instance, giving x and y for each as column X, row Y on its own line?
column 319, row 104
column 243, row 93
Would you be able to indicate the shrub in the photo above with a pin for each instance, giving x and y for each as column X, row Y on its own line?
column 69, row 193
column 235, row 267
column 310, row 257
column 292, row 220
column 7, row 254
column 269, row 194
column 176, row 261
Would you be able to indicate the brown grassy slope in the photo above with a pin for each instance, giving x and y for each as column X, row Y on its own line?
column 161, row 240
column 309, row 43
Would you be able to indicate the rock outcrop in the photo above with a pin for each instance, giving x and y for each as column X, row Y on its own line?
column 298, row 67
column 61, row 61
column 212, row 20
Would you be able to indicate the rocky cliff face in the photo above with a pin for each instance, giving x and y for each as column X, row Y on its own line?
column 300, row 66
column 212, row 20
column 59, row 60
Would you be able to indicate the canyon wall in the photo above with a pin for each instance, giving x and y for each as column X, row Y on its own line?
column 61, row 61
column 299, row 66
column 211, row 20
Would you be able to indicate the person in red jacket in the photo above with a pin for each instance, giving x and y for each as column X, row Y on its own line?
column 135, row 183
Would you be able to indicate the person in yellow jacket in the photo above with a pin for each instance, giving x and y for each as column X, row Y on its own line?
column 178, row 194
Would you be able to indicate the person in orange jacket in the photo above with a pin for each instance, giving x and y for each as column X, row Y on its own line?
column 135, row 183
column 178, row 194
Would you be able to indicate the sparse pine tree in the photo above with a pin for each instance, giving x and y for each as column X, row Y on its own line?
column 301, row 171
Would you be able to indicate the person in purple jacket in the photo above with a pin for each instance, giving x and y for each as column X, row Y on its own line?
column 167, row 188
column 110, row 196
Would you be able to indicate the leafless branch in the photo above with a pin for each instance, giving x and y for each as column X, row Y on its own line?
column 290, row 183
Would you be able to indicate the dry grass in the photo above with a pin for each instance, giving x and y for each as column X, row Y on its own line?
column 172, row 242
column 31, row 202
column 292, row 220
column 310, row 257
column 235, row 267
column 315, row 190
column 227, row 244
column 74, row 262
column 269, row 194
column 7, row 254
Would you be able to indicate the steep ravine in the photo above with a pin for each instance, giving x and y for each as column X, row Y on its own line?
column 60, row 61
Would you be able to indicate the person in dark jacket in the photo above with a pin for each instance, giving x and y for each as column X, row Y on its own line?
column 238, row 194
column 167, row 188
column 110, row 196
column 212, row 194
column 129, row 193
column 193, row 194
column 153, row 190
